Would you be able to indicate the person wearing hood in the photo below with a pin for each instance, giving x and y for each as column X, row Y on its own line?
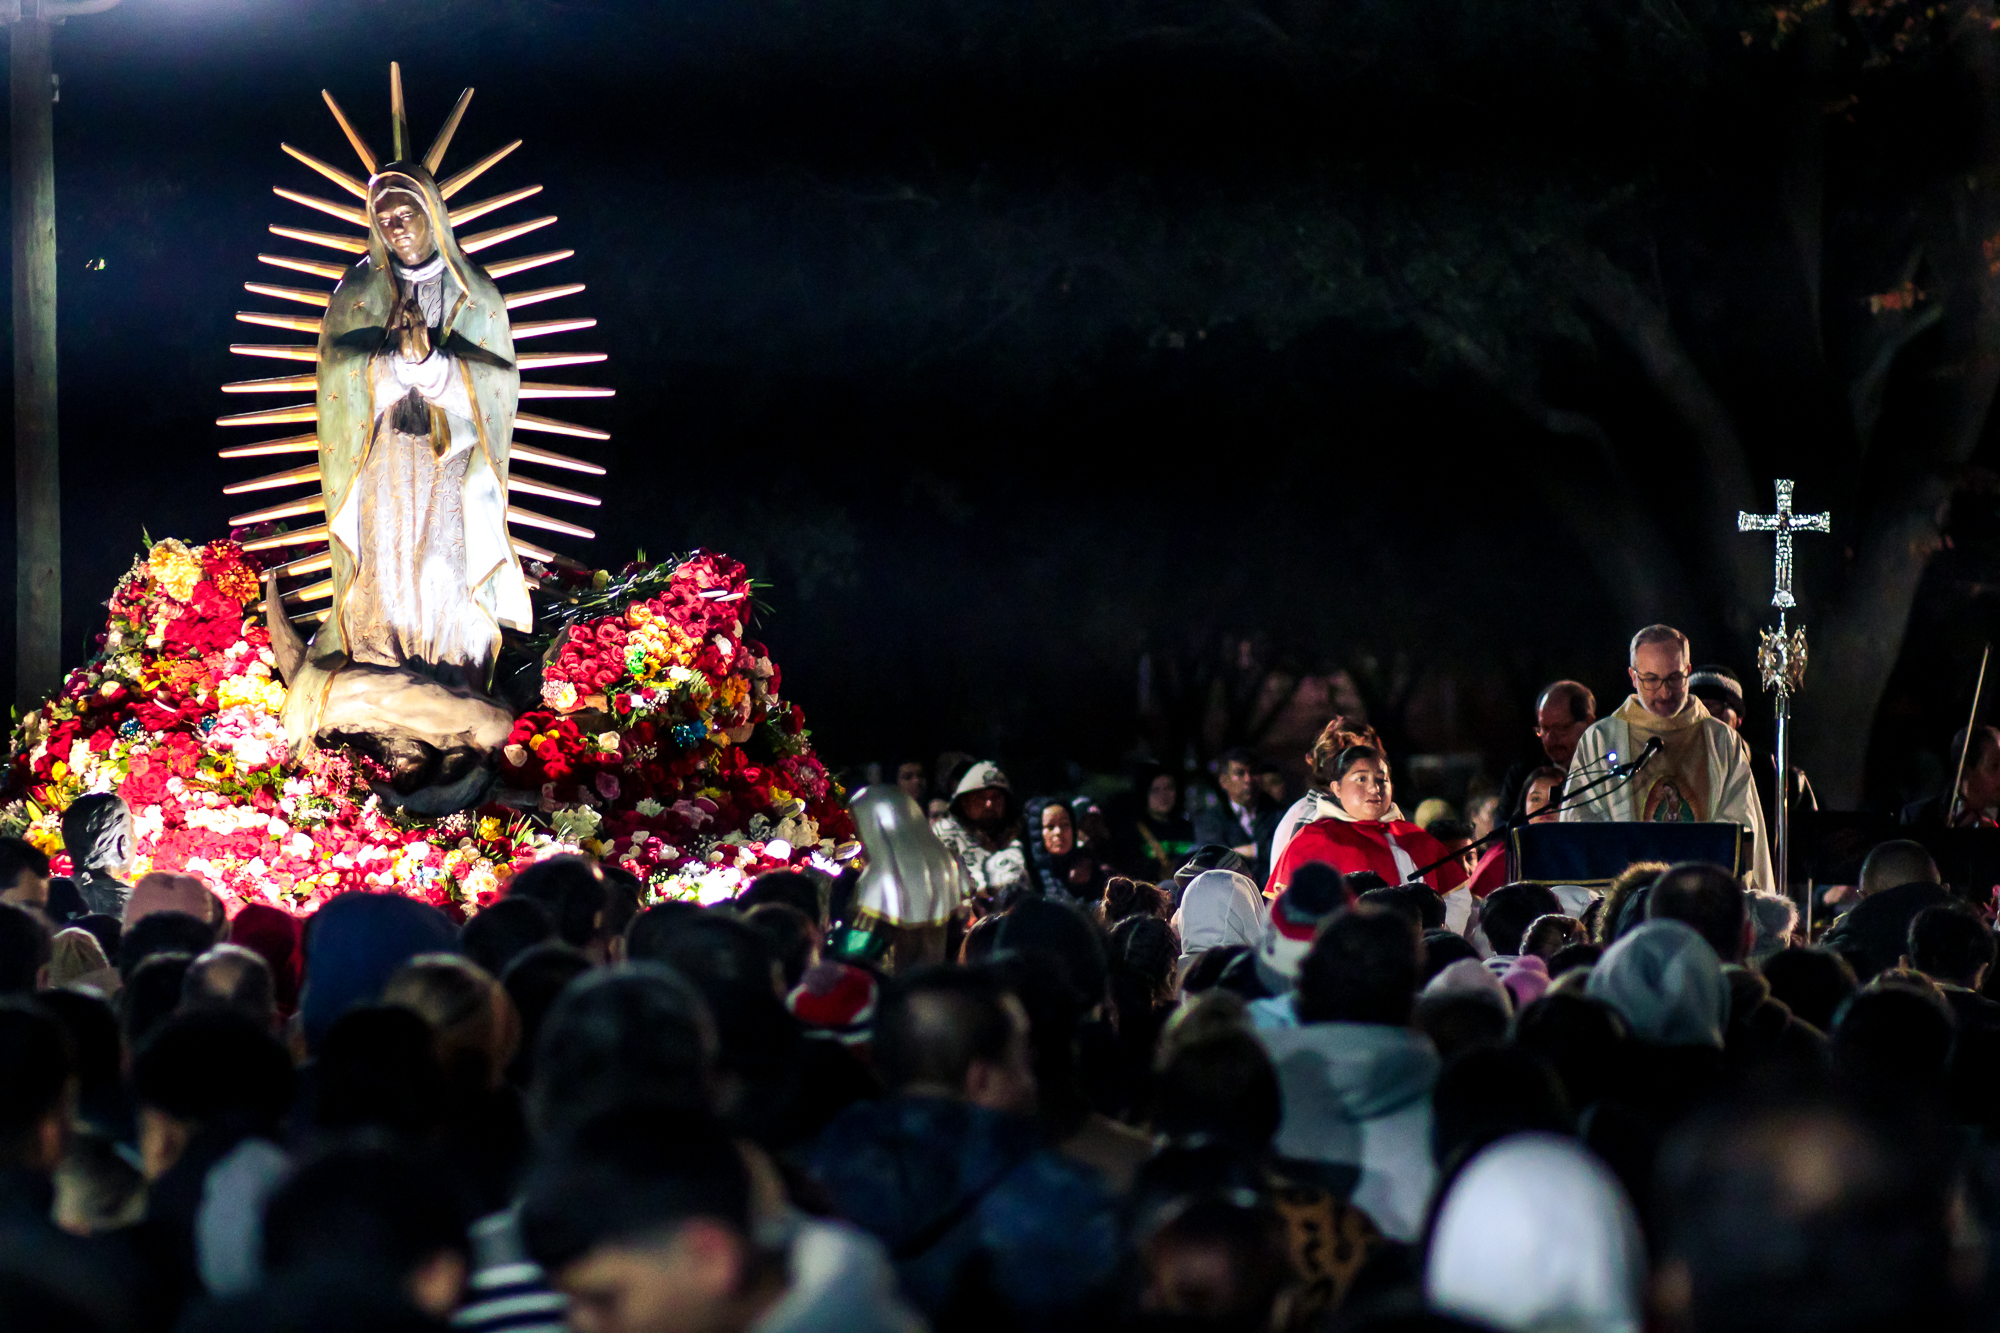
column 1268, row 977
column 1219, row 908
column 1536, row 1234
column 983, row 830
column 951, row 1172
column 354, row 944
column 1156, row 836
column 1701, row 771
column 1355, row 1075
column 1666, row 982
column 1064, row 866
column 1364, row 833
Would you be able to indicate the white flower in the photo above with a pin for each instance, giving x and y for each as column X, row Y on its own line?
column 649, row 807
column 576, row 823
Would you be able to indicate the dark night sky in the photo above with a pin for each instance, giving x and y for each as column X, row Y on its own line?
column 865, row 273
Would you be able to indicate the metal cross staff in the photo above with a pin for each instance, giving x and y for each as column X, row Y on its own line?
column 1781, row 661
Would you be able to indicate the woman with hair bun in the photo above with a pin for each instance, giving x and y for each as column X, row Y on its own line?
column 1364, row 831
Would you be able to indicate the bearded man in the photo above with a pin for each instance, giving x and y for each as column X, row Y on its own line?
column 1701, row 772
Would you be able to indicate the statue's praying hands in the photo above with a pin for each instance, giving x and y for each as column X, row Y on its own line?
column 408, row 331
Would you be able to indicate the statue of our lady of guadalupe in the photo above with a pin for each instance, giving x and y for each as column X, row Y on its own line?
column 416, row 397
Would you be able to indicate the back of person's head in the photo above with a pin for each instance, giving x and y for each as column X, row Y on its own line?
column 1803, row 1215
column 1548, row 935
column 1146, row 946
column 1573, row 957
column 532, row 982
column 1706, row 897
column 162, row 932
column 792, row 888
column 1213, row 1259
column 230, row 976
column 470, row 1016
column 1812, row 983
column 632, row 1175
column 25, row 949
column 370, row 1211
column 499, row 934
column 92, row 1028
column 638, row 1031
column 1125, row 898
column 1891, row 865
column 1061, row 937
column 1419, row 902
column 1363, row 968
column 1458, row 1021
column 210, row 1065
column 35, row 1090
column 934, row 1024
column 151, row 994
column 109, row 930
column 1950, row 943
column 790, row 934
column 624, row 896
column 647, row 933
column 1610, row 908
column 18, row 855
column 1220, row 1086
column 1510, row 909
column 1442, row 948
column 1891, row 1040
column 1208, row 967
column 1485, row 1094
column 738, row 975
column 378, row 1069
column 572, row 890
column 1581, row 1039
column 73, row 955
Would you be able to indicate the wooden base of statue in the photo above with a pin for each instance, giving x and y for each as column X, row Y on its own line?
column 440, row 743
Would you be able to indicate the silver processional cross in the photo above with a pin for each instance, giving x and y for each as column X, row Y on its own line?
column 1784, row 523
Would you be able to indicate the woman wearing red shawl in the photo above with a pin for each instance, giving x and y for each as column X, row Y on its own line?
column 1360, row 835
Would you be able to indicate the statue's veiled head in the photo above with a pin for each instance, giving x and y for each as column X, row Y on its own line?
column 401, row 220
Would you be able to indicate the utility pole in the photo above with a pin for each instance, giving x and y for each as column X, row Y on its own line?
column 37, row 459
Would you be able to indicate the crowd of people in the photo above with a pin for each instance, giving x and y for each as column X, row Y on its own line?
column 1301, row 1066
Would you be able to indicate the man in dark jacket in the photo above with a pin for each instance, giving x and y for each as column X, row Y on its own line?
column 1898, row 880
column 1245, row 818
column 950, row 1171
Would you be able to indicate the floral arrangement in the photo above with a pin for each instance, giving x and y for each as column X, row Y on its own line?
column 661, row 746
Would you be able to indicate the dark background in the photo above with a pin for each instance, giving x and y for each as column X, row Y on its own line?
column 1015, row 345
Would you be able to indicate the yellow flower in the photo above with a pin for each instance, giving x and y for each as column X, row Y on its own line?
column 490, row 828
column 176, row 567
column 268, row 695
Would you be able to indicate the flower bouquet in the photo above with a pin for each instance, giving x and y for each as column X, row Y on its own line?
column 660, row 744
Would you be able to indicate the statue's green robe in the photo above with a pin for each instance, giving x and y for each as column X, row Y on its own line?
column 355, row 436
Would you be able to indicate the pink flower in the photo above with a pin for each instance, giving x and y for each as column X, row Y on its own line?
column 607, row 786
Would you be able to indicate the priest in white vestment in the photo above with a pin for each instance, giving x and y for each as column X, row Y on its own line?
column 1702, row 771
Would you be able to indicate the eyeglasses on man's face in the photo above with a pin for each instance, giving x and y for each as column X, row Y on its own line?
column 1649, row 681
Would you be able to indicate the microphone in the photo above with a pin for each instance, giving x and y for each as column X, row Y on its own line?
column 1653, row 747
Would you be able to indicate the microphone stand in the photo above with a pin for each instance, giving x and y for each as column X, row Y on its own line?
column 1617, row 771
